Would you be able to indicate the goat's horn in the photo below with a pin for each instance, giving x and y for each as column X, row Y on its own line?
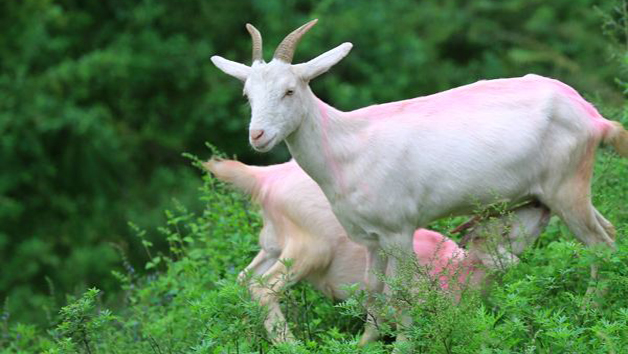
column 257, row 42
column 285, row 50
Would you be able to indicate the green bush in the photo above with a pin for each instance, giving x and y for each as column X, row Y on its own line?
column 191, row 301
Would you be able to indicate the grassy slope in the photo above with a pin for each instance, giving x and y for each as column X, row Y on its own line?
column 192, row 304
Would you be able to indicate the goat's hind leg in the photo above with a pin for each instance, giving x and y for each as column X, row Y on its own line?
column 611, row 233
column 587, row 224
column 608, row 227
column 572, row 203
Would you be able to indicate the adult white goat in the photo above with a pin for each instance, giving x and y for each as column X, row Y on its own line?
column 298, row 224
column 392, row 168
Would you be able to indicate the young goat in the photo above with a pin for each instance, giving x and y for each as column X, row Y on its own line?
column 392, row 168
column 298, row 224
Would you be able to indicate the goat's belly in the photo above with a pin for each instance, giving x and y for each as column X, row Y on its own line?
column 414, row 193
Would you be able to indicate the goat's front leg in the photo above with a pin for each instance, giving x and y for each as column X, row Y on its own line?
column 400, row 246
column 375, row 266
column 266, row 291
column 258, row 266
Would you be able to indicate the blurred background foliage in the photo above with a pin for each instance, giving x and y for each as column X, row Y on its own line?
column 98, row 99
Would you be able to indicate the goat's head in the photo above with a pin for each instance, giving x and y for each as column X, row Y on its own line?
column 277, row 90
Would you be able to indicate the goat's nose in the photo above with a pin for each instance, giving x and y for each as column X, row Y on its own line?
column 256, row 133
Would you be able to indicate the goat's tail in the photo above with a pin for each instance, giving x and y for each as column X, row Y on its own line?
column 618, row 137
column 233, row 172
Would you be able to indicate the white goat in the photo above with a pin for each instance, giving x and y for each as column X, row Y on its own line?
column 392, row 168
column 298, row 224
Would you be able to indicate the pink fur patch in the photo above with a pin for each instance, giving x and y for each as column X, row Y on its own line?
column 475, row 94
column 442, row 256
column 599, row 122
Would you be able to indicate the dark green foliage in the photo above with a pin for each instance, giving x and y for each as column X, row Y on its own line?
column 192, row 302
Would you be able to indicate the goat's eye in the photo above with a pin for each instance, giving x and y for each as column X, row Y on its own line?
column 289, row 92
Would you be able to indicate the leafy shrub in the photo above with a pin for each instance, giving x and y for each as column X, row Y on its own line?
column 191, row 302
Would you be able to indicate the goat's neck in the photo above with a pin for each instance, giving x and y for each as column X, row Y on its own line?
column 325, row 143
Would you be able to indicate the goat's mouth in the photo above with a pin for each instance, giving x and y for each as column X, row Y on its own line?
column 265, row 146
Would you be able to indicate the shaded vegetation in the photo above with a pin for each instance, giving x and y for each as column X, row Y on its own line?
column 192, row 302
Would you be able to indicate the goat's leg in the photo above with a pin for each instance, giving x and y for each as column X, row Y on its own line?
column 403, row 258
column 528, row 222
column 608, row 227
column 258, row 266
column 582, row 219
column 266, row 292
column 572, row 203
column 375, row 266
column 611, row 233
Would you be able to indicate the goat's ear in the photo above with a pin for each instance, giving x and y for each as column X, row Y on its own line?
column 237, row 70
column 323, row 62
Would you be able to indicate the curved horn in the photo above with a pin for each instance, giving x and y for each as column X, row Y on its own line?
column 285, row 50
column 257, row 42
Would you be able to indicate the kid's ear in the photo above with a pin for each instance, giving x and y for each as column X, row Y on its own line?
column 237, row 70
column 323, row 62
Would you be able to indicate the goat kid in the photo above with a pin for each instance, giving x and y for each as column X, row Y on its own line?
column 429, row 157
column 298, row 224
